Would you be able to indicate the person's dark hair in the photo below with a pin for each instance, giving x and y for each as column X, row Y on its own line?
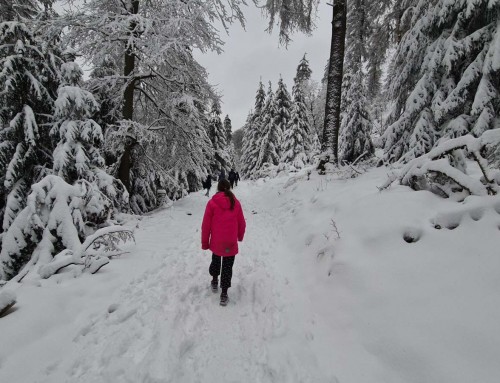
column 225, row 186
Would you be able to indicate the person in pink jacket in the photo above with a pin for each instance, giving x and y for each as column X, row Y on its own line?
column 222, row 228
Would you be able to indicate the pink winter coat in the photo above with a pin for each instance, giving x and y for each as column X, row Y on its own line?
column 222, row 227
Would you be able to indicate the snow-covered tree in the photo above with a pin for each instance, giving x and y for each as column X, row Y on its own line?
column 356, row 126
column 331, row 129
column 78, row 135
column 228, row 128
column 218, row 135
column 26, row 102
column 152, row 42
column 304, row 72
column 270, row 135
column 443, row 81
column 310, row 92
column 251, row 138
column 238, row 145
column 283, row 106
column 296, row 139
column 79, row 138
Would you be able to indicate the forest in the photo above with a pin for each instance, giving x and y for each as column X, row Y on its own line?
column 357, row 242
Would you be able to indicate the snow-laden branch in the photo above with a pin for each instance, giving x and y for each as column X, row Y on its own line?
column 441, row 168
column 92, row 254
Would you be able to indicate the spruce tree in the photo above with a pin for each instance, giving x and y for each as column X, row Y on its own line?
column 283, row 108
column 228, row 128
column 270, row 135
column 296, row 139
column 79, row 137
column 304, row 72
column 218, row 136
column 309, row 90
column 356, row 125
column 251, row 138
column 444, row 76
column 26, row 102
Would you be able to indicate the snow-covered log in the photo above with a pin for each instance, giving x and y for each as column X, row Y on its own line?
column 7, row 300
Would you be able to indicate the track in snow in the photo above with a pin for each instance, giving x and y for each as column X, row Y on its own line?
column 167, row 326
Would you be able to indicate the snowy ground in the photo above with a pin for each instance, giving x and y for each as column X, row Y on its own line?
column 306, row 305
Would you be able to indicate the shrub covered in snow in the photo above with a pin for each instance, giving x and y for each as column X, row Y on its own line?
column 58, row 216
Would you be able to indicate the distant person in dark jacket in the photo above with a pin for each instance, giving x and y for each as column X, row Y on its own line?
column 237, row 179
column 222, row 175
column 207, row 184
column 232, row 177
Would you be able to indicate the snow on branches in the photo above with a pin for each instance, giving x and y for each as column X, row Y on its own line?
column 93, row 254
column 443, row 80
column 440, row 172
column 58, row 217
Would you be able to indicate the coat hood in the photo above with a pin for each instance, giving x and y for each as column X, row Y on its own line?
column 222, row 201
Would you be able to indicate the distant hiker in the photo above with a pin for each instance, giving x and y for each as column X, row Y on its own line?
column 237, row 178
column 207, row 184
column 232, row 177
column 222, row 228
column 222, row 175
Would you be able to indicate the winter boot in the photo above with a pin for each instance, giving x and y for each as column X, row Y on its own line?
column 214, row 284
column 224, row 299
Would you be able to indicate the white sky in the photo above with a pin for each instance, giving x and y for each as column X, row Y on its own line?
column 252, row 54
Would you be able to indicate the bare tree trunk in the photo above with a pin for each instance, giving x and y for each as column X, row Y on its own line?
column 330, row 141
column 128, row 100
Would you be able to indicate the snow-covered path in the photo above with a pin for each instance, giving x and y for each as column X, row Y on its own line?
column 168, row 327
column 308, row 304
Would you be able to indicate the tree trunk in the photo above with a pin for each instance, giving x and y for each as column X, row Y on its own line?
column 128, row 99
column 330, row 141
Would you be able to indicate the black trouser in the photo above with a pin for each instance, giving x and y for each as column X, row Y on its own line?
column 232, row 183
column 227, row 269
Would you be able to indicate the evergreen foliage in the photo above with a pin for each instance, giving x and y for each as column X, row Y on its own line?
column 218, row 136
column 444, row 80
column 355, row 127
column 269, row 151
column 291, row 15
column 296, row 139
column 26, row 102
column 283, row 105
column 252, row 135
column 228, row 128
column 304, row 72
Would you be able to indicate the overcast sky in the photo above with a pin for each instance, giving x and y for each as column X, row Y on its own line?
column 253, row 54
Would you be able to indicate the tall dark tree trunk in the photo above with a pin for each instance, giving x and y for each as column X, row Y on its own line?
column 330, row 141
column 128, row 99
